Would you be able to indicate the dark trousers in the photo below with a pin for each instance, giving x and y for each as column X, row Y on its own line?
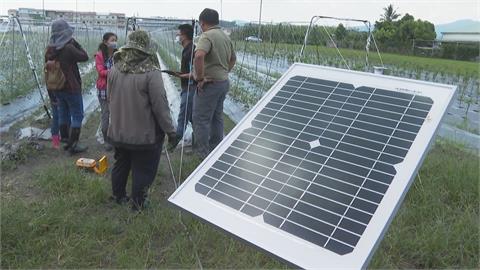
column 104, row 118
column 208, row 116
column 143, row 164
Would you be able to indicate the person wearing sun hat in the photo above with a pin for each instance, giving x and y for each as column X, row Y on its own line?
column 63, row 48
column 139, row 117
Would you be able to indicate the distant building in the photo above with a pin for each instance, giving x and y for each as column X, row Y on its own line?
column 12, row 12
column 461, row 45
column 106, row 19
column 461, row 37
column 86, row 17
column 89, row 18
column 59, row 14
column 30, row 13
column 120, row 17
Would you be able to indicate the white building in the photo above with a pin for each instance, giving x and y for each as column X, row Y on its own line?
column 30, row 13
column 89, row 18
column 461, row 37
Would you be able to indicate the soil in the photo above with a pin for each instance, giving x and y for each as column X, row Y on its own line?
column 18, row 181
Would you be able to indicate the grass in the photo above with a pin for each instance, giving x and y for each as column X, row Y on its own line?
column 18, row 156
column 72, row 224
column 464, row 125
column 16, row 78
column 23, row 150
column 438, row 225
column 415, row 63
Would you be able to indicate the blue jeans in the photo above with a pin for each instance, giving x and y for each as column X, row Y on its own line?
column 54, row 107
column 70, row 108
column 55, row 126
column 185, row 109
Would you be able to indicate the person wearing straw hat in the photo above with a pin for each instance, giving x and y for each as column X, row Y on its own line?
column 139, row 117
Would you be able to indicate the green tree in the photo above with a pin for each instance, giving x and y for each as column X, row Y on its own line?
column 386, row 34
column 390, row 14
column 409, row 28
column 406, row 29
column 424, row 30
column 340, row 32
column 397, row 35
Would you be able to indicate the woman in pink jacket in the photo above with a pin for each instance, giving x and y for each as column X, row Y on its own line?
column 103, row 63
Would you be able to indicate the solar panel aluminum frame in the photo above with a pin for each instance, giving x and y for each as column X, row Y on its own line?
column 296, row 250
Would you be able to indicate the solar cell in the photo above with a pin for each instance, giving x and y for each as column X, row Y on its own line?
column 322, row 161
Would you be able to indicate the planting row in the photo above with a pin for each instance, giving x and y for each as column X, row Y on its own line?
column 16, row 77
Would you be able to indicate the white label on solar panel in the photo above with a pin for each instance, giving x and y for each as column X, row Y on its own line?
column 316, row 171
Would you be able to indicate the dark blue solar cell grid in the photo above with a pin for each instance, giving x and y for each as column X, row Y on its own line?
column 318, row 159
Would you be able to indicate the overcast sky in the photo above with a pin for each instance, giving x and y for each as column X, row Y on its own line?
column 435, row 11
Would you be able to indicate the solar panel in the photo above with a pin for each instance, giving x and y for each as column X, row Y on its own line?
column 315, row 172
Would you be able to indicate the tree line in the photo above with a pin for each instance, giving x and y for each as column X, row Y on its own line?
column 393, row 33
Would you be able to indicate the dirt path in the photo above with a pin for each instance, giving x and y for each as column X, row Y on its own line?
column 18, row 181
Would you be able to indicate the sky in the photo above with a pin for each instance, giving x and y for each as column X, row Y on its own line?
column 435, row 11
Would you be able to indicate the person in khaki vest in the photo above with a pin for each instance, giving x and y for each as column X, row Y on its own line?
column 214, row 59
column 139, row 117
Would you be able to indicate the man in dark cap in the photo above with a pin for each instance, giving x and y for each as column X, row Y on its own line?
column 214, row 59
column 139, row 117
column 66, row 50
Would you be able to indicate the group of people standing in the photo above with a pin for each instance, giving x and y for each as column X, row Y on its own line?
column 135, row 114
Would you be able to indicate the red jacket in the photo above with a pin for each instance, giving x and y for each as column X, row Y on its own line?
column 101, row 70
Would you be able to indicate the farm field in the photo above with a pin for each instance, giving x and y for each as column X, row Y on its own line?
column 16, row 77
column 56, row 216
column 260, row 64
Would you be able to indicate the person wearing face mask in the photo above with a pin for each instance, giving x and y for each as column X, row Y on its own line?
column 214, row 59
column 103, row 63
column 184, row 38
column 65, row 50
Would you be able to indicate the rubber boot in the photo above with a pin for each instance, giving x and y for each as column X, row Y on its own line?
column 64, row 129
column 56, row 141
column 73, row 146
column 108, row 147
